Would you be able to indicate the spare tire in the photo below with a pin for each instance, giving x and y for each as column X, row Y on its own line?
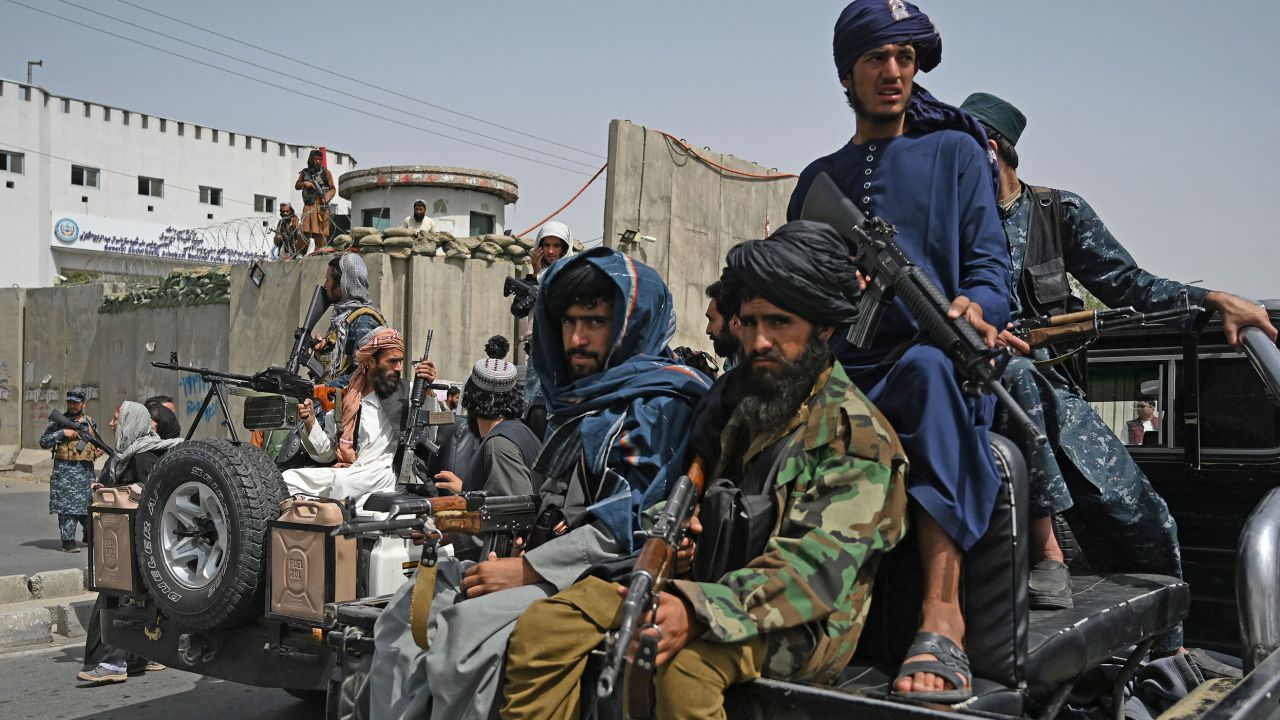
column 201, row 532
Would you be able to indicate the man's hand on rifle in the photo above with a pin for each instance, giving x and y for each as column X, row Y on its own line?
column 1237, row 314
column 972, row 313
column 426, row 370
column 307, row 414
column 1014, row 343
column 447, row 481
column 497, row 574
column 70, row 434
column 321, row 345
column 677, row 625
column 688, row 544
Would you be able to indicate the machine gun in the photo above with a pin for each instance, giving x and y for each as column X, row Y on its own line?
column 1089, row 324
column 501, row 518
column 87, row 435
column 270, row 404
column 303, row 352
column 413, row 435
column 652, row 570
column 891, row 274
column 526, row 295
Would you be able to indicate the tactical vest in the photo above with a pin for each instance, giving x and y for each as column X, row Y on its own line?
column 66, row 449
column 1043, row 288
column 347, row 361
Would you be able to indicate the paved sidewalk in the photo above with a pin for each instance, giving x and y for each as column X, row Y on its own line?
column 28, row 533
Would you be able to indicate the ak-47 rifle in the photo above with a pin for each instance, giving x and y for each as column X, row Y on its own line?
column 526, row 295
column 85, row 431
column 501, row 518
column 891, row 274
column 653, row 568
column 414, row 433
column 1089, row 324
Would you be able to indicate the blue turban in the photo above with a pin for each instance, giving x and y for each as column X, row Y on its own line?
column 868, row 24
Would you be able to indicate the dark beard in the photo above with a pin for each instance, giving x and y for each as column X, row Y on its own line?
column 770, row 399
column 725, row 344
column 386, row 385
column 861, row 110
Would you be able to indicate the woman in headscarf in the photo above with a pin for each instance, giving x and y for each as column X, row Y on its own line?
column 138, row 449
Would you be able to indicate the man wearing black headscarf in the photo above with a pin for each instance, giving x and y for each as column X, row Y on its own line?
column 921, row 165
column 824, row 475
column 316, row 183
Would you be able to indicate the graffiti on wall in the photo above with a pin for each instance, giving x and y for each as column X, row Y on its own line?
column 191, row 392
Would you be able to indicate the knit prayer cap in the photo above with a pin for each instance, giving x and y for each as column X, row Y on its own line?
column 494, row 373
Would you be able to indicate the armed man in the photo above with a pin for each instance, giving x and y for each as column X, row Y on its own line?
column 69, row 492
column 720, row 315
column 803, row 438
column 619, row 422
column 346, row 285
column 364, row 440
column 920, row 165
column 1052, row 233
column 317, row 186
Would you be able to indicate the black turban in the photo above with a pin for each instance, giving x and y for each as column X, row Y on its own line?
column 868, row 24
column 803, row 268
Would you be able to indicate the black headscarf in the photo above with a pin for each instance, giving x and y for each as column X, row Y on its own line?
column 167, row 425
column 803, row 268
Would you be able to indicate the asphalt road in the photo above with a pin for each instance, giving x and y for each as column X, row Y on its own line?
column 28, row 533
column 41, row 685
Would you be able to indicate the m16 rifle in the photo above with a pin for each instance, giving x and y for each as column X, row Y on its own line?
column 303, row 352
column 85, row 431
column 414, row 433
column 526, row 295
column 890, row 274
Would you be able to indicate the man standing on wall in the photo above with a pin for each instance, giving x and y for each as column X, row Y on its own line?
column 317, row 186
column 69, row 492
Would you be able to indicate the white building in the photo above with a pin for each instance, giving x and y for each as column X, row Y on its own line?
column 87, row 186
column 460, row 201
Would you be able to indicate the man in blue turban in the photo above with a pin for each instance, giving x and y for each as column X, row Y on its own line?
column 921, row 165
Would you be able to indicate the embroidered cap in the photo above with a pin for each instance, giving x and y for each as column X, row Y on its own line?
column 493, row 373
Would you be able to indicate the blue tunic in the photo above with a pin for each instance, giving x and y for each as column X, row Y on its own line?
column 936, row 189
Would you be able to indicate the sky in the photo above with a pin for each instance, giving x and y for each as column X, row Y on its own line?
column 1161, row 114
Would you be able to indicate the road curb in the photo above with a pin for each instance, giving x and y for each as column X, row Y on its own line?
column 37, row 622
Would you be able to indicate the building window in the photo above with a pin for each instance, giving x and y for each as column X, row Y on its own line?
column 26, row 92
column 106, row 114
column 264, row 145
column 163, row 123
column 182, row 129
column 210, row 195
column 125, row 113
column 86, row 176
column 215, row 135
column 264, row 204
column 281, row 149
column 153, row 187
column 11, row 162
column 1129, row 399
column 337, row 158
column 197, row 132
column 248, row 143
column 87, row 109
column 481, row 224
column 376, row 217
column 66, row 106
column 231, row 139
column 145, row 122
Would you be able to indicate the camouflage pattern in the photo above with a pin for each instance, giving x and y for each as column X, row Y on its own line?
column 841, row 490
column 340, row 367
column 69, row 484
column 1118, row 500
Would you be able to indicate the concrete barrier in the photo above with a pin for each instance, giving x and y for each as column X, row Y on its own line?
column 56, row 583
column 13, row 589
column 12, row 304
column 25, row 626
column 70, row 618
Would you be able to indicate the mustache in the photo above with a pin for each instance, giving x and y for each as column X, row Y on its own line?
column 583, row 352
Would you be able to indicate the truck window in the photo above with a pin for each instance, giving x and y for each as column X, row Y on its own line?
column 1236, row 411
column 1129, row 397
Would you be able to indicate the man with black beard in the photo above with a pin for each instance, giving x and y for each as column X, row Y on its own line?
column 373, row 411
column 721, row 310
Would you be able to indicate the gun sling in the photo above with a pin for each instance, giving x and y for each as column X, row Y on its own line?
column 424, row 590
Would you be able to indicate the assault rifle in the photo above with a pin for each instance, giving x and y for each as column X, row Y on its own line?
column 416, row 423
column 303, row 352
column 502, row 517
column 87, row 435
column 652, row 570
column 1089, row 324
column 891, row 274
column 526, row 295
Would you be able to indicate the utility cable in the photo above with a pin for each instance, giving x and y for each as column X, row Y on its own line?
column 294, row 92
column 567, row 203
column 714, row 164
column 366, row 83
column 326, row 88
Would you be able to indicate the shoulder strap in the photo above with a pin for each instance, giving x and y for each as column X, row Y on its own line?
column 366, row 310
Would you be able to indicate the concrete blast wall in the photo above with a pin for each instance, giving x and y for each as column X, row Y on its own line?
column 693, row 212
column 12, row 304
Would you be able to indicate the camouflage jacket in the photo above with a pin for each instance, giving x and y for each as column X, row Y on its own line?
column 1094, row 257
column 841, row 490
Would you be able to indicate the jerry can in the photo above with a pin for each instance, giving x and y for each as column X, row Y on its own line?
column 111, row 565
column 309, row 567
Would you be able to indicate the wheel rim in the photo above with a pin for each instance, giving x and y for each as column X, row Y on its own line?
column 193, row 535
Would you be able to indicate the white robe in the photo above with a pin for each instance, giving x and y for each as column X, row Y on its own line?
column 371, row 472
column 426, row 226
